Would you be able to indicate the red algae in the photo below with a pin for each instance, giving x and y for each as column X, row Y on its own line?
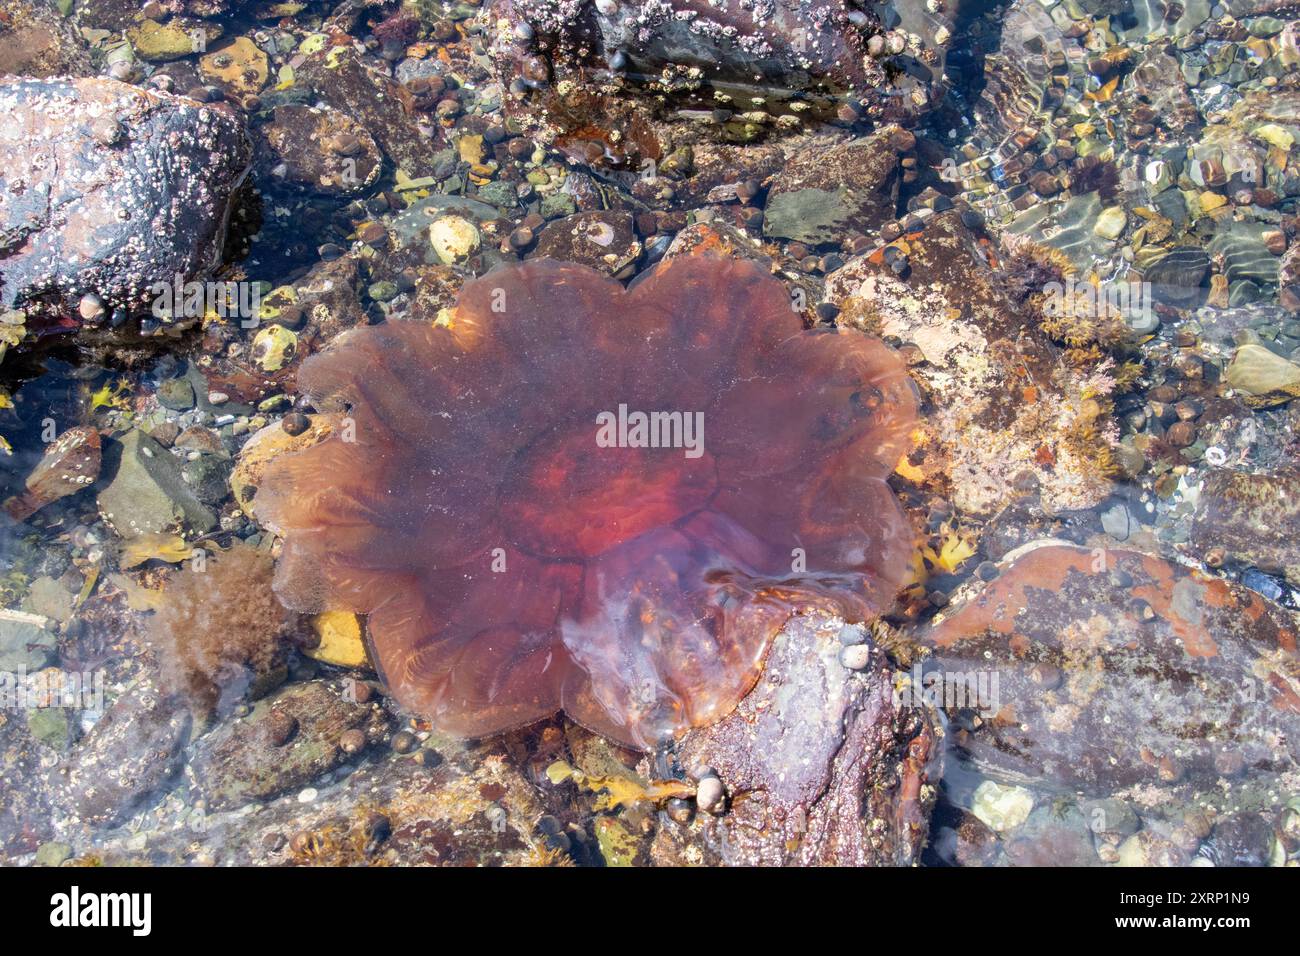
column 521, row 543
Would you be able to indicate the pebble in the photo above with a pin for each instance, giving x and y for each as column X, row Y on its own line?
column 851, row 634
column 710, row 795
column 372, row 232
column 91, row 308
column 1111, row 223
column 1177, row 277
column 1181, row 434
column 1000, row 807
column 856, row 657
column 1118, row 522
column 454, row 239
column 273, row 347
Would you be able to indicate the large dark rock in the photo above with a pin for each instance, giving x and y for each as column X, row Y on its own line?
column 108, row 189
column 822, row 763
column 1113, row 668
column 570, row 67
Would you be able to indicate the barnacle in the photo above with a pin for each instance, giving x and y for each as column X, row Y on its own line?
column 520, row 542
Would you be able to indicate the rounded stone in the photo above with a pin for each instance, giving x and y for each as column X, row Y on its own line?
column 856, row 657
column 710, row 795
column 454, row 239
column 1111, row 223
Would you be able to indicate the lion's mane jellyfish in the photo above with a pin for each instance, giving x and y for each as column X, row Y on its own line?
column 574, row 496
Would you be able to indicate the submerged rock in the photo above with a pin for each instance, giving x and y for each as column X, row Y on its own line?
column 39, row 42
column 25, row 647
column 134, row 750
column 1241, row 839
column 70, row 464
column 25, row 818
column 1263, row 377
column 603, row 239
column 575, row 70
column 1254, row 518
column 822, row 195
column 110, row 189
column 266, row 445
column 174, row 40
column 1115, row 668
column 821, row 764
column 1052, row 836
column 322, row 150
column 147, row 492
column 377, row 102
column 289, row 740
column 1002, row 402
column 1178, row 276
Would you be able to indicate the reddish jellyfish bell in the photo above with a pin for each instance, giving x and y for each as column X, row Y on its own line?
column 606, row 501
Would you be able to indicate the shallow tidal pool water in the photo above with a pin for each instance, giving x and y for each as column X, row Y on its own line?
column 650, row 434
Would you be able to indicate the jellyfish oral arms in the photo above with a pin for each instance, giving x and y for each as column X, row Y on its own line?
column 605, row 501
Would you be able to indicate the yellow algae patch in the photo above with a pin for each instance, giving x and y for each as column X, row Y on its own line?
column 171, row 548
column 341, row 642
column 619, row 791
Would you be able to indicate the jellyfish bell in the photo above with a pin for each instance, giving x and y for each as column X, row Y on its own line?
column 513, row 565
